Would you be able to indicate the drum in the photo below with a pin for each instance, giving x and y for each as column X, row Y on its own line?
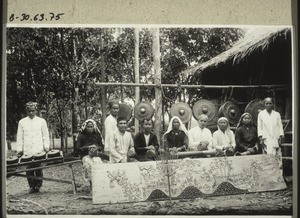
column 26, row 158
column 12, row 160
column 53, row 153
column 40, row 156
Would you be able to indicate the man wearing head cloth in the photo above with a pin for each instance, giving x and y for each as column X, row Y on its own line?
column 32, row 138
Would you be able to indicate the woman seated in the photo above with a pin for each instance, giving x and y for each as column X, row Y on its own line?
column 246, row 136
column 89, row 135
column 87, row 162
column 176, row 136
column 89, row 142
column 223, row 139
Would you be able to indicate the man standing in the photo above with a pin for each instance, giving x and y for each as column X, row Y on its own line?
column 32, row 138
column 110, row 124
column 121, row 143
column 270, row 130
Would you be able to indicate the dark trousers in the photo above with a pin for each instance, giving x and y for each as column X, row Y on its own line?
column 34, row 183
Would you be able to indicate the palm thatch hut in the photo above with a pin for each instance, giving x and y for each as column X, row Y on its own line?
column 262, row 57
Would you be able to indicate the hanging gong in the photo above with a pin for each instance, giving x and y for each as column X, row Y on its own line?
column 143, row 110
column 231, row 111
column 206, row 107
column 182, row 110
column 125, row 111
column 254, row 107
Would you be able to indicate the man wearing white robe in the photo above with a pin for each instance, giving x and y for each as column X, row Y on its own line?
column 200, row 137
column 121, row 143
column 32, row 138
column 110, row 125
column 270, row 130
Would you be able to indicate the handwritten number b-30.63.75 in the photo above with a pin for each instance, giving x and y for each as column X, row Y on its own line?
column 37, row 17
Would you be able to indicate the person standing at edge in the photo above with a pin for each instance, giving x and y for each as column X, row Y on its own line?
column 110, row 124
column 270, row 130
column 32, row 138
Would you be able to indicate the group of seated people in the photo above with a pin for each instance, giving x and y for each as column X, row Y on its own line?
column 144, row 146
column 121, row 147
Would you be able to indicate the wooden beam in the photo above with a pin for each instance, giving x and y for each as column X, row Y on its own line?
column 157, row 81
column 282, row 86
column 43, row 167
column 44, row 178
column 136, row 73
column 103, row 87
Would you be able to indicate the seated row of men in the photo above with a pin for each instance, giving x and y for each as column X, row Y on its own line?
column 121, row 147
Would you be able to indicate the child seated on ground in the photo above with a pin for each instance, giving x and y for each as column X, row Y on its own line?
column 88, row 161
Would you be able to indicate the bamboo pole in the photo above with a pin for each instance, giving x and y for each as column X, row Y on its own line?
column 282, row 86
column 137, row 74
column 103, row 87
column 157, row 81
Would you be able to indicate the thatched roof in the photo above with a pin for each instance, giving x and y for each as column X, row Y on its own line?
column 257, row 39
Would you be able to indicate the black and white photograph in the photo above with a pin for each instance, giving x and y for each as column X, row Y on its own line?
column 149, row 120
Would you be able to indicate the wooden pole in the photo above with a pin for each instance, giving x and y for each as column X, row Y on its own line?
column 136, row 73
column 157, row 81
column 103, row 88
column 277, row 87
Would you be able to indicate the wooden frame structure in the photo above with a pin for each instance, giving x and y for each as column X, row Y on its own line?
column 18, row 172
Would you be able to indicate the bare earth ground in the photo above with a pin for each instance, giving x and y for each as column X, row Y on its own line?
column 58, row 198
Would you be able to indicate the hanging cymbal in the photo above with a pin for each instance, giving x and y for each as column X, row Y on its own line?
column 182, row 110
column 206, row 107
column 143, row 110
column 231, row 111
column 253, row 108
column 125, row 111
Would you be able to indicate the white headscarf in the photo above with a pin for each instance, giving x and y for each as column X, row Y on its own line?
column 95, row 127
column 93, row 122
column 227, row 131
column 240, row 123
column 181, row 126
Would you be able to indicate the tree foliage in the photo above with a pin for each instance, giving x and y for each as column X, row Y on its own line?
column 58, row 67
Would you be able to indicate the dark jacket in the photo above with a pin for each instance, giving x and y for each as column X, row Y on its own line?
column 85, row 139
column 140, row 145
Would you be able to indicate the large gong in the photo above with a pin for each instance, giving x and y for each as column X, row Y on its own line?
column 125, row 111
column 206, row 107
column 181, row 110
column 231, row 111
column 253, row 108
column 143, row 110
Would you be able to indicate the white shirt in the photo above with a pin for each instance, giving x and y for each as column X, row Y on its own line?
column 110, row 126
column 197, row 135
column 32, row 136
column 221, row 139
column 269, row 126
column 120, row 144
column 147, row 138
